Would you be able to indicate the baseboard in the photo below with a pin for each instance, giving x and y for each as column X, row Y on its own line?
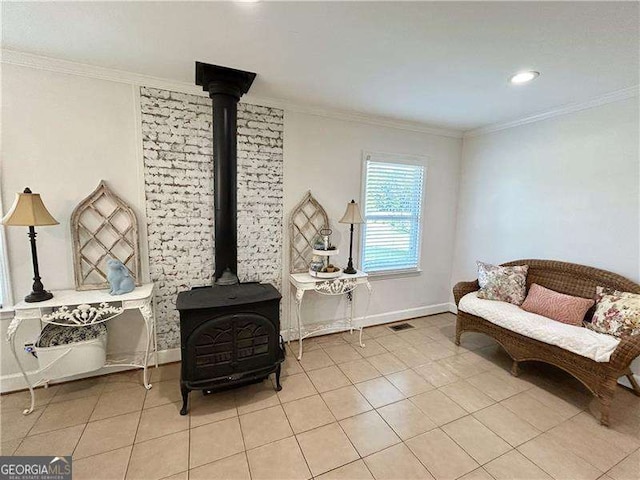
column 14, row 381
column 452, row 308
column 388, row 317
column 169, row 356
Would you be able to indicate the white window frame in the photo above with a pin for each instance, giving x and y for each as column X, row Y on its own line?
column 6, row 299
column 403, row 159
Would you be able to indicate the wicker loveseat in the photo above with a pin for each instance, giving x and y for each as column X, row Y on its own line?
column 578, row 280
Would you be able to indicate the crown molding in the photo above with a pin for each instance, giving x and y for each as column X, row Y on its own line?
column 610, row 97
column 371, row 120
column 14, row 57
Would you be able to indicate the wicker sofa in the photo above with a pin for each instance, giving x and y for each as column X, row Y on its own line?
column 578, row 280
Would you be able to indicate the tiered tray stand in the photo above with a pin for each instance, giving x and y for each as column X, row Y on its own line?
column 326, row 254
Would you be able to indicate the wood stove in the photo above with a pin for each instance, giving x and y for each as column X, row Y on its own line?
column 230, row 331
column 230, row 335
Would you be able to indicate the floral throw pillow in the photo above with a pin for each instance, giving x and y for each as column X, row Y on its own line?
column 617, row 313
column 505, row 284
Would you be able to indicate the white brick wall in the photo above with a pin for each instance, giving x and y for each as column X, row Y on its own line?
column 178, row 173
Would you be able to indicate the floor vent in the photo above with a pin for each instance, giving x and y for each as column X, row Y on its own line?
column 401, row 326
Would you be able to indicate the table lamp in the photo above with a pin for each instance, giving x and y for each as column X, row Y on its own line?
column 351, row 216
column 29, row 211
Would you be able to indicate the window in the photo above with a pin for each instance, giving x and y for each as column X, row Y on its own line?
column 5, row 297
column 5, row 294
column 393, row 192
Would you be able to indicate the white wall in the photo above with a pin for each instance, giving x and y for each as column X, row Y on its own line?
column 567, row 188
column 63, row 133
column 325, row 156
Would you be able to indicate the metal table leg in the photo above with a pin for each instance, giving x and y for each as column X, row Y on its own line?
column 11, row 338
column 155, row 331
column 366, row 311
column 299, row 297
column 148, row 315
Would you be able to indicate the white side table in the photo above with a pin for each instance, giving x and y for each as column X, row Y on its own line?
column 342, row 285
column 97, row 307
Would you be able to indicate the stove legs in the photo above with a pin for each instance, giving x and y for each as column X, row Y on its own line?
column 185, row 400
column 278, row 369
column 185, row 391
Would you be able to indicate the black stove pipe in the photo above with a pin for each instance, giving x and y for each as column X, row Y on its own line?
column 225, row 87
column 225, row 166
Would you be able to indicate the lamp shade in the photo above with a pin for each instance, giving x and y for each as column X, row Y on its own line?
column 352, row 215
column 28, row 211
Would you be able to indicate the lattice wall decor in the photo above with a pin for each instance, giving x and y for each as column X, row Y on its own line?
column 103, row 226
column 306, row 221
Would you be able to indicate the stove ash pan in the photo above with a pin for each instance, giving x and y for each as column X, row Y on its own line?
column 229, row 336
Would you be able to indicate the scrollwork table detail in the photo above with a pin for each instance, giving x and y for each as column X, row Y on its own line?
column 343, row 285
column 71, row 308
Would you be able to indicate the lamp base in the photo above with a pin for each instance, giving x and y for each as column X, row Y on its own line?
column 350, row 271
column 40, row 296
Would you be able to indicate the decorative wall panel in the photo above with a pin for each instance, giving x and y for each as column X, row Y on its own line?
column 103, row 227
column 178, row 173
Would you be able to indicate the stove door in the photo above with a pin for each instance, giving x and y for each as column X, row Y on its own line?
column 230, row 344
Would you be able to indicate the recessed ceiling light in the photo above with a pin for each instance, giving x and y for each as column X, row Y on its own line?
column 523, row 77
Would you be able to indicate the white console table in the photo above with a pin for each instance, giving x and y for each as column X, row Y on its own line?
column 93, row 307
column 342, row 285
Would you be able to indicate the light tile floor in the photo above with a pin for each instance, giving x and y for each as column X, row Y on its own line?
column 409, row 405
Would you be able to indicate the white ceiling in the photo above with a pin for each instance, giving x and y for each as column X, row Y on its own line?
column 444, row 64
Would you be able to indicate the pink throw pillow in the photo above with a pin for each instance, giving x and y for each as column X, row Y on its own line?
column 556, row 306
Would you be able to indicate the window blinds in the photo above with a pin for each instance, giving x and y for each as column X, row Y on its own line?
column 392, row 210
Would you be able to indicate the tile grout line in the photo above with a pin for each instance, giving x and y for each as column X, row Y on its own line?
column 453, row 400
column 342, row 429
column 86, row 423
column 126, row 471
column 189, row 434
column 622, row 460
column 533, row 462
column 294, row 433
column 420, row 461
column 374, row 409
column 581, row 410
column 547, row 432
column 85, row 426
column 20, row 440
column 244, row 444
column 486, row 471
column 518, row 451
column 366, row 359
column 336, row 421
column 500, row 436
column 350, row 463
column 511, row 448
column 387, row 424
column 40, row 416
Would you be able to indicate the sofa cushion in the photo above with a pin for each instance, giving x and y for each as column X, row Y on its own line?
column 580, row 340
column 617, row 313
column 504, row 284
column 556, row 306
